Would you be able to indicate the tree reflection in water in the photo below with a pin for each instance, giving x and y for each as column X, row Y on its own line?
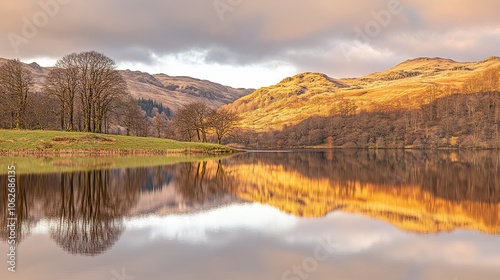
column 25, row 202
column 200, row 182
column 89, row 207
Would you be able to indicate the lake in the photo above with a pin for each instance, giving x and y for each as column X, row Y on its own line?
column 312, row 214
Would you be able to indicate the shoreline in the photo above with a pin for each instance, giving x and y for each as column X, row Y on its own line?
column 102, row 152
column 291, row 149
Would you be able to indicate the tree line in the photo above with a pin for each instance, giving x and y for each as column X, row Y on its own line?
column 85, row 92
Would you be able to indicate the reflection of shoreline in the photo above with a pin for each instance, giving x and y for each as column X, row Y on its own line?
column 408, row 208
column 66, row 163
column 416, row 192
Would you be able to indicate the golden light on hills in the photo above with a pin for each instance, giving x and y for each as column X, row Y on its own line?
column 313, row 94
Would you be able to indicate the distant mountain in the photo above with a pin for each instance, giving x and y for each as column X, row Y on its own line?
column 314, row 94
column 172, row 92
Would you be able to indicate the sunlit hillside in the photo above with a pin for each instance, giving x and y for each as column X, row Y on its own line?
column 410, row 84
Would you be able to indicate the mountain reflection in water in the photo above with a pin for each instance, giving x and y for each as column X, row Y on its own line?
column 414, row 191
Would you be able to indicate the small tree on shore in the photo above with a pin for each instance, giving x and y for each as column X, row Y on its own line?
column 193, row 120
column 223, row 123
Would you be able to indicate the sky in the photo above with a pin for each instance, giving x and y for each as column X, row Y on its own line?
column 251, row 43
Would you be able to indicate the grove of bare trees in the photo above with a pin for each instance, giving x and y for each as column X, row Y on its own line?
column 198, row 120
column 83, row 92
column 87, row 81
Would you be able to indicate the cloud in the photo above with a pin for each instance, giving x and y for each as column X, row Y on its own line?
column 258, row 242
column 307, row 35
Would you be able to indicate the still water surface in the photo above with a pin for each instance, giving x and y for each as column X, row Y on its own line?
column 282, row 215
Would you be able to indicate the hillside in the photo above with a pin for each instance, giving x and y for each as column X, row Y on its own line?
column 404, row 86
column 172, row 92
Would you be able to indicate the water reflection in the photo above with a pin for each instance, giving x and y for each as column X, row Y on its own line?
column 89, row 207
column 201, row 181
column 415, row 191
column 25, row 206
column 86, row 207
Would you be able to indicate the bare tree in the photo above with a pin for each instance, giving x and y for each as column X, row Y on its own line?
column 132, row 117
column 223, row 122
column 159, row 122
column 184, row 123
column 202, row 121
column 15, row 84
column 62, row 83
column 193, row 119
column 100, row 88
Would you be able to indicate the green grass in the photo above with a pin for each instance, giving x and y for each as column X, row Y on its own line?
column 39, row 165
column 60, row 140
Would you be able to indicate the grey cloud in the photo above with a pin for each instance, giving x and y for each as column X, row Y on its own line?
column 256, row 31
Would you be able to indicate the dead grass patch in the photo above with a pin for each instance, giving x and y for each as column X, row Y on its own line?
column 97, row 139
column 64, row 139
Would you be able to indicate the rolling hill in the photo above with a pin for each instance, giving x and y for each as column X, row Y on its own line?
column 406, row 85
column 172, row 92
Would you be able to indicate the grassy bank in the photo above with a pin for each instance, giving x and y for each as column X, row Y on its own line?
column 60, row 143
